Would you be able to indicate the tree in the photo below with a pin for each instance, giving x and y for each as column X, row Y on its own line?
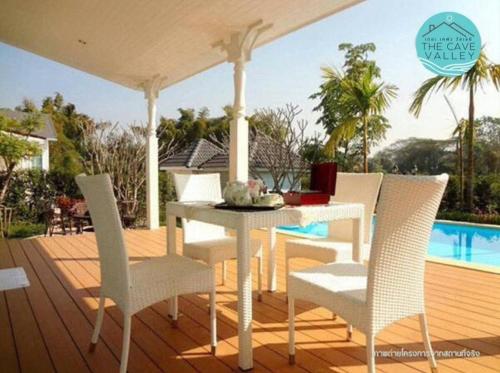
column 428, row 156
column 27, row 106
column 341, row 105
column 487, row 151
column 364, row 99
column 459, row 131
column 286, row 148
column 15, row 146
column 482, row 72
column 121, row 152
column 356, row 62
column 66, row 152
column 282, row 131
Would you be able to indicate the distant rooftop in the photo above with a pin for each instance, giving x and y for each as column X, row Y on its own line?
column 193, row 155
column 205, row 155
column 46, row 132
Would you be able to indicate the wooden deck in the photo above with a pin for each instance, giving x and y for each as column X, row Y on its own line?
column 47, row 326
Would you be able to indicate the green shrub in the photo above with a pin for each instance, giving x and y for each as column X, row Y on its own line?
column 31, row 192
column 468, row 217
column 487, row 193
column 25, row 229
column 451, row 197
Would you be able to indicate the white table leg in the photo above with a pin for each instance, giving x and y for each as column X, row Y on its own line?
column 271, row 262
column 171, row 249
column 245, row 358
column 358, row 228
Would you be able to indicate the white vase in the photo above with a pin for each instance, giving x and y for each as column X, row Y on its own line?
column 236, row 193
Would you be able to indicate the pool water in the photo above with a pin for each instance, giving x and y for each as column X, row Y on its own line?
column 469, row 244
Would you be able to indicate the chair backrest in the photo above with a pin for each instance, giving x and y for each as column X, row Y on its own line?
column 79, row 208
column 113, row 257
column 359, row 188
column 201, row 187
column 405, row 215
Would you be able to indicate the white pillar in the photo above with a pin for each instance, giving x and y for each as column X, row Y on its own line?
column 151, row 88
column 238, row 149
column 238, row 51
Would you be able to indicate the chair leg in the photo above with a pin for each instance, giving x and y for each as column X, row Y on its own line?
column 427, row 342
column 349, row 332
column 98, row 324
column 126, row 343
column 259, row 277
column 287, row 271
column 214, row 287
column 291, row 331
column 175, row 311
column 370, row 353
column 213, row 322
column 224, row 273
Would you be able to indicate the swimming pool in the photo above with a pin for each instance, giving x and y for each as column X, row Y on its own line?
column 469, row 244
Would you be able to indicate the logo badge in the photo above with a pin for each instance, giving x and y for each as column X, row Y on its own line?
column 448, row 44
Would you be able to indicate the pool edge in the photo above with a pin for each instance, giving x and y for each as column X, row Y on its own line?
column 467, row 224
column 432, row 259
column 471, row 266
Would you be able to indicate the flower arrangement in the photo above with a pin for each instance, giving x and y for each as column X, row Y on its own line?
column 252, row 192
column 64, row 203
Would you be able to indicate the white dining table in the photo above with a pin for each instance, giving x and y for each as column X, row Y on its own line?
column 243, row 223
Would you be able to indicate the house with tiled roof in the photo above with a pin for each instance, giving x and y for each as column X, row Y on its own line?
column 203, row 156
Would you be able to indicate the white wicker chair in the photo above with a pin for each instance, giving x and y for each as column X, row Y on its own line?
column 392, row 288
column 337, row 247
column 137, row 286
column 208, row 242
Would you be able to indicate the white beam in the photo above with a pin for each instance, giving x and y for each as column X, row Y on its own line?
column 151, row 89
column 239, row 50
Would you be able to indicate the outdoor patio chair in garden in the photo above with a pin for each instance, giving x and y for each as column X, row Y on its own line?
column 5, row 220
column 54, row 218
column 337, row 247
column 79, row 215
column 392, row 288
column 137, row 286
column 126, row 213
column 208, row 242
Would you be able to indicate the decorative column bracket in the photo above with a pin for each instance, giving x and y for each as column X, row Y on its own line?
column 240, row 45
column 151, row 90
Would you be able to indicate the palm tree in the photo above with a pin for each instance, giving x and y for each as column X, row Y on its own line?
column 459, row 131
column 364, row 101
column 482, row 72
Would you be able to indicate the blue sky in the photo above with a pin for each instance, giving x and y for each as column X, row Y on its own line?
column 287, row 70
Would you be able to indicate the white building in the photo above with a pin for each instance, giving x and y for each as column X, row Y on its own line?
column 42, row 137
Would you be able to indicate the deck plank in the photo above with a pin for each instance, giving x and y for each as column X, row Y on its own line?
column 30, row 345
column 462, row 306
column 62, row 348
column 58, row 288
column 9, row 361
